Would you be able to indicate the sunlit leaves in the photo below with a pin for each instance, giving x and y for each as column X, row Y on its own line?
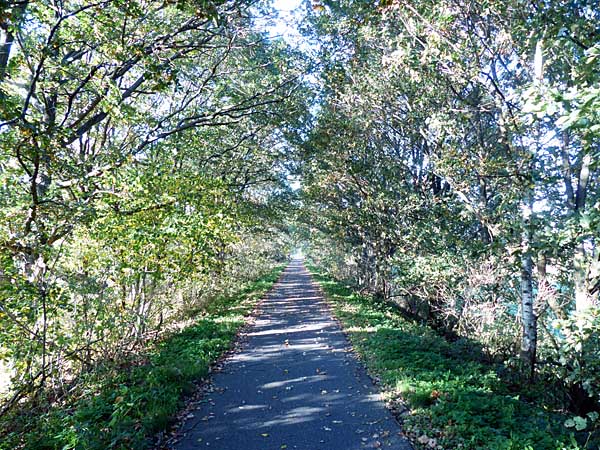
column 439, row 120
column 140, row 155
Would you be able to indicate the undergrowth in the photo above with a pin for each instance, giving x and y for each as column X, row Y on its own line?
column 455, row 401
column 123, row 407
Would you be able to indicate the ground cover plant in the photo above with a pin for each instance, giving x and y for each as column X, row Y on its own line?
column 455, row 399
column 123, row 405
column 443, row 155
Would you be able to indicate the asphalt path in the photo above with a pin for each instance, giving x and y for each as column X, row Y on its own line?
column 293, row 384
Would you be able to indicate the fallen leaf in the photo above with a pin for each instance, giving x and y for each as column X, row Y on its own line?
column 423, row 439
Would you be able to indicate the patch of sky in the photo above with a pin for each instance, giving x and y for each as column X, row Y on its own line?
column 284, row 20
column 289, row 15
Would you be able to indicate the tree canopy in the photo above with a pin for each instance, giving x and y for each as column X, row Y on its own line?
column 448, row 155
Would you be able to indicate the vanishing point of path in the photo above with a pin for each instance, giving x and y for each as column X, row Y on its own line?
column 293, row 385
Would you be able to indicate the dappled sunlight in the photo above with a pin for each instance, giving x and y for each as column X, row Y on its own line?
column 164, row 163
column 294, row 384
column 362, row 329
column 294, row 416
column 317, row 326
column 278, row 384
column 441, row 383
column 370, row 398
column 246, row 408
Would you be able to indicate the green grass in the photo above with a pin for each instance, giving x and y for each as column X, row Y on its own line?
column 455, row 400
column 124, row 407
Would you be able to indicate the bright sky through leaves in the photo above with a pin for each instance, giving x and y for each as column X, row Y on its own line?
column 290, row 12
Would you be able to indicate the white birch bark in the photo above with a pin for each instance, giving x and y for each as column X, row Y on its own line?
column 528, row 317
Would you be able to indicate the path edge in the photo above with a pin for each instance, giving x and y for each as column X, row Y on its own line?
column 398, row 409
column 172, row 434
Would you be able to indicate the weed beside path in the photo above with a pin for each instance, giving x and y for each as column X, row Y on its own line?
column 124, row 407
column 455, row 401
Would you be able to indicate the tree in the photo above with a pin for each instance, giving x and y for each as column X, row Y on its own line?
column 134, row 136
column 442, row 111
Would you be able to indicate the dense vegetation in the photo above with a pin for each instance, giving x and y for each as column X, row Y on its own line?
column 453, row 170
column 129, row 405
column 448, row 153
column 456, row 398
column 142, row 175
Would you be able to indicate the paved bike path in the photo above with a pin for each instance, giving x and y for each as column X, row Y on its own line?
column 293, row 385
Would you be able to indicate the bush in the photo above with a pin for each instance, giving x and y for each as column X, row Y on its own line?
column 455, row 400
column 123, row 406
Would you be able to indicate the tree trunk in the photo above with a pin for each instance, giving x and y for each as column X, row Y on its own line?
column 529, row 337
column 583, row 299
column 7, row 37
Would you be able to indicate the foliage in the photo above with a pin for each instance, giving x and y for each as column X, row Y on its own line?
column 455, row 400
column 453, row 168
column 138, row 161
column 123, row 404
column 579, row 352
column 448, row 152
